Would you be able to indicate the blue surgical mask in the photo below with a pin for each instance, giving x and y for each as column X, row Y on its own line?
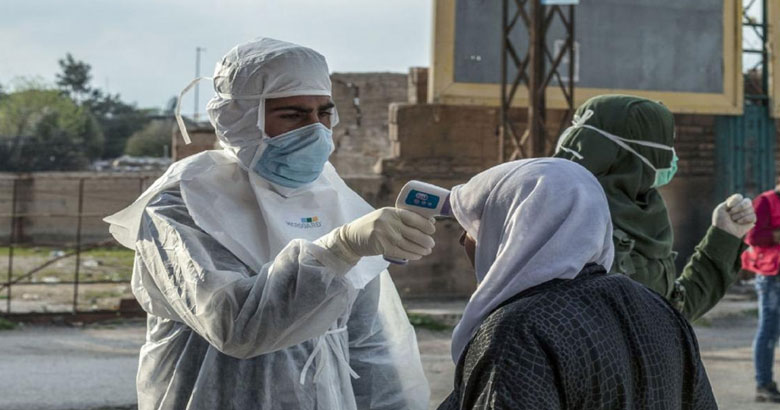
column 295, row 158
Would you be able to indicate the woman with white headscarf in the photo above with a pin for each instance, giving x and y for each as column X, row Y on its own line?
column 547, row 327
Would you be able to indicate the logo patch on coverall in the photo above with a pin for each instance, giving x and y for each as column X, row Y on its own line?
column 306, row 223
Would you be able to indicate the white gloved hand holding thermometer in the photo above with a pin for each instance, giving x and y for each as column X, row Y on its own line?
column 735, row 216
column 392, row 232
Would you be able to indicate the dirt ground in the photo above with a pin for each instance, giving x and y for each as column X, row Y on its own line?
column 45, row 291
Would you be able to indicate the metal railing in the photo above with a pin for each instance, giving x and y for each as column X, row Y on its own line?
column 15, row 241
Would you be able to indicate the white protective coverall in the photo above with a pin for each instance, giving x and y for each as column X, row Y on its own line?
column 244, row 310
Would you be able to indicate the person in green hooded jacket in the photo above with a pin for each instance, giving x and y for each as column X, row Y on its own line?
column 627, row 143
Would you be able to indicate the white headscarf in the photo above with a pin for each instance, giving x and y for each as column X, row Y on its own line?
column 534, row 220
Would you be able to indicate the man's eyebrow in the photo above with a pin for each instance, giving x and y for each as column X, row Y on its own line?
column 297, row 108
column 302, row 109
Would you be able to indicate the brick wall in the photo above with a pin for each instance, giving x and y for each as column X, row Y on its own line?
column 202, row 137
column 361, row 136
column 695, row 145
column 430, row 135
column 49, row 203
column 691, row 196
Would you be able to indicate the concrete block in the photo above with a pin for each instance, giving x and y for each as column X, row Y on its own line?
column 418, row 85
column 427, row 131
column 363, row 100
column 203, row 138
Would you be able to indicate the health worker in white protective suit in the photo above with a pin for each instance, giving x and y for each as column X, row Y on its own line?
column 259, row 267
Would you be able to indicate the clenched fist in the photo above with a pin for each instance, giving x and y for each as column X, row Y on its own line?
column 735, row 216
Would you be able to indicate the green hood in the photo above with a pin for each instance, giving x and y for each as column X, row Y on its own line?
column 637, row 209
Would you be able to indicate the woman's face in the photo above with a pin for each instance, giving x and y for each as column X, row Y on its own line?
column 469, row 245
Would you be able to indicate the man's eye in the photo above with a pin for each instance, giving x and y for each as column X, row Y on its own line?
column 325, row 114
column 291, row 116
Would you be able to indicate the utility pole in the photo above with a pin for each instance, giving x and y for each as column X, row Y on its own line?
column 196, row 111
column 537, row 100
column 532, row 70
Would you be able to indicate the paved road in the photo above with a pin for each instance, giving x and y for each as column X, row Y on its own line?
column 94, row 367
column 69, row 368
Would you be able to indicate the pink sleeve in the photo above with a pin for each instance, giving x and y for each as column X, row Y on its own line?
column 761, row 234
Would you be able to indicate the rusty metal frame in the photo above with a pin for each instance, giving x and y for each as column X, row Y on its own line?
column 533, row 72
column 11, row 242
column 15, row 217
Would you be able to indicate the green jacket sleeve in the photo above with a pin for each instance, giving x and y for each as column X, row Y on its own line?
column 708, row 274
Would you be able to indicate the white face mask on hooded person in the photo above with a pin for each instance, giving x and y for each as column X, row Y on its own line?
column 237, row 112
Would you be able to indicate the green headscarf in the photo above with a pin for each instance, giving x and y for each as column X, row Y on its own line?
column 637, row 209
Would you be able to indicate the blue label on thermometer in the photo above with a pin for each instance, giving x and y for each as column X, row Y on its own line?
column 422, row 199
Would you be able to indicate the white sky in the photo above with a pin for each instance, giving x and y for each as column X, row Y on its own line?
column 145, row 49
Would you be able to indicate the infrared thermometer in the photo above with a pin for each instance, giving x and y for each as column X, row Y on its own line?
column 424, row 199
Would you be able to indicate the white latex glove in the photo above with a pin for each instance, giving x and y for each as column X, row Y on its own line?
column 735, row 216
column 392, row 232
